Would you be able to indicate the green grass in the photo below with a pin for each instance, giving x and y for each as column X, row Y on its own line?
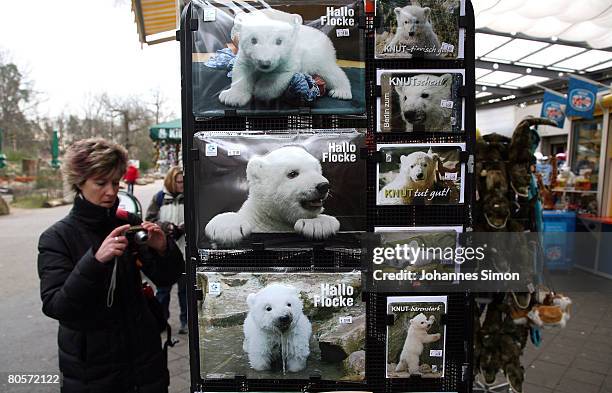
column 33, row 201
column 18, row 155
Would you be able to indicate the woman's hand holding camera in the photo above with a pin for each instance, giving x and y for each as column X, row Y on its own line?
column 157, row 237
column 113, row 246
column 116, row 243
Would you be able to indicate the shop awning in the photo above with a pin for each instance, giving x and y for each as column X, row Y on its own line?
column 169, row 131
column 585, row 21
column 522, row 45
column 156, row 20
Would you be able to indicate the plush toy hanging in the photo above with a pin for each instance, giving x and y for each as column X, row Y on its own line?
column 507, row 204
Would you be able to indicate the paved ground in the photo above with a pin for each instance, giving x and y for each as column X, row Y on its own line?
column 577, row 359
column 28, row 339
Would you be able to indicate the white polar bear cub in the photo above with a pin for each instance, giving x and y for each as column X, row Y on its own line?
column 276, row 331
column 271, row 51
column 286, row 194
column 420, row 103
column 418, row 172
column 414, row 30
column 413, row 346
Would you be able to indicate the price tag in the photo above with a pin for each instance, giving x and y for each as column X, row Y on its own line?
column 211, row 150
column 447, row 104
column 447, row 48
column 233, row 152
column 450, row 176
column 343, row 33
column 214, row 288
column 346, row 320
column 210, row 14
column 435, row 353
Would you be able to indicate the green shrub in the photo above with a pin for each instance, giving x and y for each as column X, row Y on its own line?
column 49, row 178
column 18, row 155
column 145, row 165
column 30, row 201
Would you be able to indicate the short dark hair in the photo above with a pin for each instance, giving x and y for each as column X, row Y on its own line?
column 93, row 158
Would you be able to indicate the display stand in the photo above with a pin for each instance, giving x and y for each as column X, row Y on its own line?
column 344, row 253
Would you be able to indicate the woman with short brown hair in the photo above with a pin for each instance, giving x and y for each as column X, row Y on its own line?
column 108, row 338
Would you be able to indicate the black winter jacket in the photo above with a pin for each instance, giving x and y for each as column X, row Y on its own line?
column 103, row 349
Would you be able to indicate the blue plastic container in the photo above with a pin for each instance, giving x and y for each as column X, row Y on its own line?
column 559, row 228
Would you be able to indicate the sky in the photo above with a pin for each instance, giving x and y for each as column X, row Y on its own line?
column 73, row 49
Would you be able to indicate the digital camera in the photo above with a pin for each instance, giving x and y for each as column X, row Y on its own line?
column 137, row 235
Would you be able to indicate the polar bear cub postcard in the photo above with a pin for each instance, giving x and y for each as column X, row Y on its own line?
column 282, row 325
column 420, row 174
column 415, row 340
column 420, row 101
column 419, row 28
column 419, row 240
column 309, row 184
column 259, row 58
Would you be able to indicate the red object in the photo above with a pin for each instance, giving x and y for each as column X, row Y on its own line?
column 131, row 174
column 601, row 220
column 320, row 83
column 147, row 290
column 122, row 214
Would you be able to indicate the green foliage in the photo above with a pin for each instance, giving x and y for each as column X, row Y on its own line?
column 49, row 179
column 18, row 155
column 145, row 165
column 15, row 94
column 30, row 201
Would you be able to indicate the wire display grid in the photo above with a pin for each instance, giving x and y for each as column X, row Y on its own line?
column 459, row 344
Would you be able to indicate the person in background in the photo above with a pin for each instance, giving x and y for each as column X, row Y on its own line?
column 167, row 209
column 131, row 174
column 90, row 281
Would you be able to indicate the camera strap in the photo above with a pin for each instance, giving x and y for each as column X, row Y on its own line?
column 110, row 295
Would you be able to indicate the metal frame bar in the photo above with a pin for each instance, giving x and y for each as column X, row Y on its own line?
column 595, row 65
column 603, row 160
column 496, row 90
column 164, row 39
column 546, row 40
column 546, row 71
column 496, row 48
column 527, row 94
column 517, row 69
column 140, row 24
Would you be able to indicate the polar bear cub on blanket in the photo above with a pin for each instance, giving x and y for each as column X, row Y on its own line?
column 420, row 103
column 413, row 346
column 286, row 194
column 276, row 330
column 271, row 51
column 418, row 172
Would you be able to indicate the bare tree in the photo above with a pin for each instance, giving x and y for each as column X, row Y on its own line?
column 133, row 120
column 95, row 121
column 158, row 102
